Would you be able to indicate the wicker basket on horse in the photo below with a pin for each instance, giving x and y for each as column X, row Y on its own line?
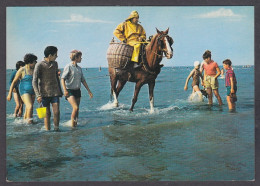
column 119, row 54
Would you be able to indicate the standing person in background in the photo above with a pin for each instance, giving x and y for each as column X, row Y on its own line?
column 25, row 75
column 132, row 33
column 18, row 111
column 231, row 85
column 211, row 73
column 71, row 80
column 46, row 85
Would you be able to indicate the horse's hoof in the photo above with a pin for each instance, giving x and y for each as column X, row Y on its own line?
column 115, row 104
column 152, row 111
column 131, row 110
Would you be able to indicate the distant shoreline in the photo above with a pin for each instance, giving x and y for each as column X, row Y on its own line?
column 245, row 66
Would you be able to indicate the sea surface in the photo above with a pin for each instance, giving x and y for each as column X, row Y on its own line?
column 180, row 141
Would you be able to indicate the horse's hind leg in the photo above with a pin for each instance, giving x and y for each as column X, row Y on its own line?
column 151, row 96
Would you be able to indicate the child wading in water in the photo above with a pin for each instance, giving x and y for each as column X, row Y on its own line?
column 25, row 76
column 18, row 111
column 46, row 84
column 231, row 85
column 196, row 75
column 71, row 80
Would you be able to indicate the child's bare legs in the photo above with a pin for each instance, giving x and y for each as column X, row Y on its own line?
column 47, row 118
column 28, row 101
column 25, row 113
column 196, row 89
column 231, row 106
column 17, row 104
column 209, row 91
column 56, row 115
column 20, row 111
column 218, row 96
column 74, row 102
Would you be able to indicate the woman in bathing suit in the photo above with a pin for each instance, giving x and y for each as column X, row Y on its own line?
column 25, row 74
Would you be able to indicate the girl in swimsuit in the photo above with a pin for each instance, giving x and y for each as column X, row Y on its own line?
column 18, row 111
column 25, row 75
column 196, row 75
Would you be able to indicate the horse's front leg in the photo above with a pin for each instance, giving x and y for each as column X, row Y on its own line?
column 151, row 97
column 120, row 86
column 138, row 86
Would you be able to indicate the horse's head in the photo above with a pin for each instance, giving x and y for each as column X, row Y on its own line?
column 164, row 43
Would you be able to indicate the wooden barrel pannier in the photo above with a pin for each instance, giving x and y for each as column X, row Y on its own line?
column 118, row 54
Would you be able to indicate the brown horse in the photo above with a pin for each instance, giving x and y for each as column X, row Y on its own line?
column 160, row 44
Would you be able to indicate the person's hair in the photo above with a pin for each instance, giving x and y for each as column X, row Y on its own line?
column 227, row 62
column 50, row 50
column 19, row 64
column 75, row 54
column 29, row 58
column 207, row 54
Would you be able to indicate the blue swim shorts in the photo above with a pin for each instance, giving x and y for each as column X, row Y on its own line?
column 47, row 100
column 229, row 90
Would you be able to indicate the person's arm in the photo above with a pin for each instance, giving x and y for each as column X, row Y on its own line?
column 201, row 78
column 86, row 86
column 12, row 78
column 232, row 85
column 119, row 32
column 35, row 83
column 66, row 93
column 142, row 35
column 16, row 79
column 63, row 77
column 218, row 72
column 57, row 76
column 201, row 67
column 187, row 80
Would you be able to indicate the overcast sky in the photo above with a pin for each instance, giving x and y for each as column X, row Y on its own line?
column 228, row 31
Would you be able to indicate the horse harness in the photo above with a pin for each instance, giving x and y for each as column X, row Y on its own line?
column 143, row 53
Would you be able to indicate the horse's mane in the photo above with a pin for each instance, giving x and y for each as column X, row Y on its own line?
column 151, row 44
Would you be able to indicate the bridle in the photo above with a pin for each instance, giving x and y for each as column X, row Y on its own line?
column 159, row 42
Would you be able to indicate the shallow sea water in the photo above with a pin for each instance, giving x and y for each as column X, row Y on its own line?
column 180, row 141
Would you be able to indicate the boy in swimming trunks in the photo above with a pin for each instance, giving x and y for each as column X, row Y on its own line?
column 47, row 87
column 196, row 75
column 231, row 84
column 71, row 80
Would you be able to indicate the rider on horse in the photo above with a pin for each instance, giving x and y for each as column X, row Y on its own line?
column 132, row 33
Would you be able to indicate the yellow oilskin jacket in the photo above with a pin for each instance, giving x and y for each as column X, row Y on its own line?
column 131, row 33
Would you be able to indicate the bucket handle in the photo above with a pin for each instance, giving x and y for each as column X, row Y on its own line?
column 40, row 105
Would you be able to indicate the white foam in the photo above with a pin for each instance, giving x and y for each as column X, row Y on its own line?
column 194, row 97
column 110, row 106
column 66, row 124
column 143, row 112
column 19, row 121
column 161, row 110
column 10, row 116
